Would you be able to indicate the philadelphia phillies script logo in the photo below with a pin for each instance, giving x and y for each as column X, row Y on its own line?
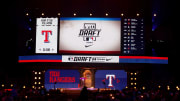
column 89, row 33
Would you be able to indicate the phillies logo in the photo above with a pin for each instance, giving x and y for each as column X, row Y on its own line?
column 110, row 78
column 46, row 33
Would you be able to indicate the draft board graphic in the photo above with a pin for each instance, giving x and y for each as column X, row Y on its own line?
column 46, row 35
column 90, row 35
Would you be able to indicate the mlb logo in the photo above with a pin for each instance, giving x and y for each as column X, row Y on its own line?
column 89, row 39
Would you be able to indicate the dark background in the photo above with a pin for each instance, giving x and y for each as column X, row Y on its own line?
column 15, row 24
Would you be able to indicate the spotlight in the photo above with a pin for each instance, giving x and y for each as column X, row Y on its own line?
column 168, row 87
column 24, row 86
column 74, row 14
column 26, row 97
column 29, row 28
column 59, row 14
column 106, row 14
column 122, row 14
column 159, row 86
column 154, row 15
column 27, row 14
column 42, row 14
column 39, row 83
column 177, row 87
column 137, row 14
column 90, row 14
column 143, row 88
column 131, row 73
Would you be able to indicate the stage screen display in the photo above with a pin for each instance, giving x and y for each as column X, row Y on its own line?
column 56, row 78
column 46, row 35
column 132, row 36
column 90, row 35
column 114, row 79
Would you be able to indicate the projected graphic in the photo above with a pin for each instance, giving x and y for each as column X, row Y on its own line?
column 56, row 78
column 46, row 35
column 133, row 36
column 114, row 79
column 90, row 35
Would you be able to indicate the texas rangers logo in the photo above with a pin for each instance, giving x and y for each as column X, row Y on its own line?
column 89, row 33
column 110, row 78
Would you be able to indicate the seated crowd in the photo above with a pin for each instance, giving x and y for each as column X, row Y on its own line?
column 29, row 94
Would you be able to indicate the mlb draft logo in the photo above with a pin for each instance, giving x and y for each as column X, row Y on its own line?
column 89, row 33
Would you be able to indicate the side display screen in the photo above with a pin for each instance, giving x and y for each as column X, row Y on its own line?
column 46, row 35
column 114, row 79
column 61, row 79
column 133, row 36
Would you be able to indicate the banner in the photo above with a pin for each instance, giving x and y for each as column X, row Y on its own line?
column 55, row 78
column 90, row 59
column 46, row 35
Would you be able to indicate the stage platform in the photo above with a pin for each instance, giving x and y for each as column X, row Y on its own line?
column 78, row 90
column 75, row 90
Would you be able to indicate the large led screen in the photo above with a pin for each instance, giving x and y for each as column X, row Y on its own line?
column 114, row 79
column 46, row 35
column 56, row 78
column 90, row 35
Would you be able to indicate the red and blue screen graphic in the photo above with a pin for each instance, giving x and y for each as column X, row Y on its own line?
column 114, row 79
column 55, row 78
